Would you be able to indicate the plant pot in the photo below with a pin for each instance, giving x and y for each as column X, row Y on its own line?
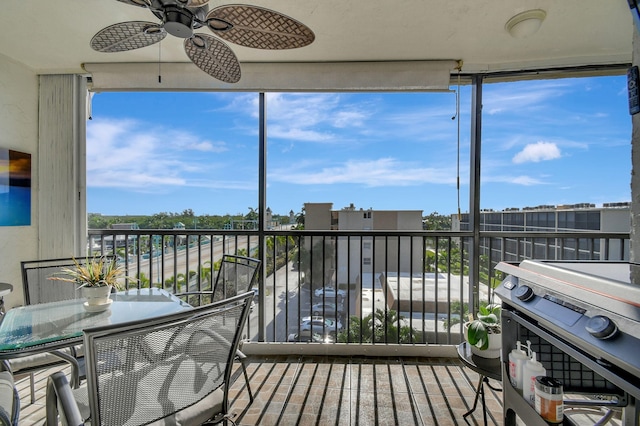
column 97, row 295
column 494, row 349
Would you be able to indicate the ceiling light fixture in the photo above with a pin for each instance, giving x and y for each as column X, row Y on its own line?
column 526, row 23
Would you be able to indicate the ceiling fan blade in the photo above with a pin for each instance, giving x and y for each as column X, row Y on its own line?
column 127, row 36
column 260, row 28
column 213, row 57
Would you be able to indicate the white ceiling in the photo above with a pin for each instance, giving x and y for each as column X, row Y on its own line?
column 52, row 36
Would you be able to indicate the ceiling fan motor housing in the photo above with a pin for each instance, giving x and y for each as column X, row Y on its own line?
column 178, row 21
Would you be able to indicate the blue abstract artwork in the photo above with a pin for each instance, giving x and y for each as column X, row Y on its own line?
column 15, row 188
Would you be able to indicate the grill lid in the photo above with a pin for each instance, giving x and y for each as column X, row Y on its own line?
column 592, row 305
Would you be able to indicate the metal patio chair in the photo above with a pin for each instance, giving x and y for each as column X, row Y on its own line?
column 38, row 288
column 237, row 274
column 9, row 399
column 172, row 369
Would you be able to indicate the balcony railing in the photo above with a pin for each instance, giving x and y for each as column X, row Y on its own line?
column 387, row 289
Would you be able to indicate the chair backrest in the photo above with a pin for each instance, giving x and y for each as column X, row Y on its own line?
column 38, row 288
column 143, row 371
column 237, row 274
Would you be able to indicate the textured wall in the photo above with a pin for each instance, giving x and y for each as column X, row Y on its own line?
column 19, row 131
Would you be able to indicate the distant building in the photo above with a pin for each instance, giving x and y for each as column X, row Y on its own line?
column 132, row 225
column 96, row 242
column 355, row 255
column 584, row 217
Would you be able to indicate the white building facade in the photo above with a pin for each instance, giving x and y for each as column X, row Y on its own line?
column 359, row 257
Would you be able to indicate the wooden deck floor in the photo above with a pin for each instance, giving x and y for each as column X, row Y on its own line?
column 302, row 390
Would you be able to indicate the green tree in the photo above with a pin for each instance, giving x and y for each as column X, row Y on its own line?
column 300, row 220
column 317, row 263
column 436, row 222
column 381, row 327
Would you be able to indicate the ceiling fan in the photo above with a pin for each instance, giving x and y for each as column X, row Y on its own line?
column 246, row 25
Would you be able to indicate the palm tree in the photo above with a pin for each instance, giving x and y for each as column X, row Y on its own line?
column 181, row 279
column 205, row 274
column 381, row 327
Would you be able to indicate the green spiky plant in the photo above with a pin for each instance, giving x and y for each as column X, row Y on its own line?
column 99, row 271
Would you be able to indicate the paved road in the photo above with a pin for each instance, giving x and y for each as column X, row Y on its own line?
column 280, row 305
column 285, row 301
column 186, row 260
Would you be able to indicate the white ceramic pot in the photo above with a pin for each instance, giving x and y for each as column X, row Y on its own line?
column 494, row 349
column 96, row 295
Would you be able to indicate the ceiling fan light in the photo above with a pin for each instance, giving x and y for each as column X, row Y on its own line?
column 525, row 24
column 198, row 41
column 217, row 24
column 152, row 29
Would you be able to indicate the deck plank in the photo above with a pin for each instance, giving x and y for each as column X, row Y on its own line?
column 304, row 390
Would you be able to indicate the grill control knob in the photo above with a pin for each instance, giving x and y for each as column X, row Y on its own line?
column 601, row 327
column 524, row 293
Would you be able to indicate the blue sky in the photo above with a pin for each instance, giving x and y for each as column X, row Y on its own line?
column 561, row 141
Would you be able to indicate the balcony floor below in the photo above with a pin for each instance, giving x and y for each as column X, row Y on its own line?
column 308, row 390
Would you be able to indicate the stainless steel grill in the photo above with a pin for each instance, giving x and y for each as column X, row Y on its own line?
column 583, row 321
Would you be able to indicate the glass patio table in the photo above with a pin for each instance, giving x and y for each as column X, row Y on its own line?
column 52, row 327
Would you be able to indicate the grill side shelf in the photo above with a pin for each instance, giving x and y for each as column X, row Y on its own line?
column 611, row 373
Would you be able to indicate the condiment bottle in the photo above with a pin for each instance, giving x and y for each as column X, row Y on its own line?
column 549, row 399
column 517, row 358
column 531, row 369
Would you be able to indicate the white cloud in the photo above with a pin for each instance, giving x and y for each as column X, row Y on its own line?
column 307, row 117
column 370, row 173
column 522, row 180
column 526, row 181
column 131, row 154
column 184, row 140
column 300, row 134
column 330, row 118
column 520, row 96
column 536, row 152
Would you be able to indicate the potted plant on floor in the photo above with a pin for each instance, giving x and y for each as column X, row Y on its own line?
column 96, row 277
column 484, row 332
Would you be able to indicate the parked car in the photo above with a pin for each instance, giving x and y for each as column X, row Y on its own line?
column 329, row 293
column 321, row 324
column 327, row 309
column 309, row 336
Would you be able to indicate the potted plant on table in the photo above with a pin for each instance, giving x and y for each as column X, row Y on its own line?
column 96, row 276
column 484, row 332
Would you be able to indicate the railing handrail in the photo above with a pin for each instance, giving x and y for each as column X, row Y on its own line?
column 352, row 233
column 421, row 275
